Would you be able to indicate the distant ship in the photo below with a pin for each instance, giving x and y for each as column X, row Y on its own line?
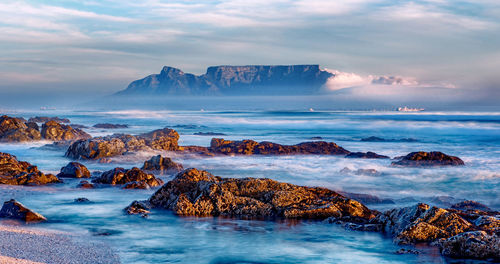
column 407, row 109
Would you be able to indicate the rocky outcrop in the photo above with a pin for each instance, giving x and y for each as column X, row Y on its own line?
column 74, row 170
column 45, row 119
column 428, row 159
column 134, row 178
column 109, row 126
column 139, row 208
column 55, row 131
column 233, row 80
column 16, row 172
column 367, row 155
column 470, row 205
column 16, row 130
column 476, row 244
column 250, row 147
column 162, row 165
column 118, row 144
column 199, row 193
column 15, row 210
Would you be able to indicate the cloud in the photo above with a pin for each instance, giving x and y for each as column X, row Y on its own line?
column 342, row 80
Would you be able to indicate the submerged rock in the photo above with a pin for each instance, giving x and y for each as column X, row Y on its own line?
column 74, row 170
column 379, row 139
column 85, row 185
column 55, row 131
column 162, row 165
column 109, row 126
column 209, row 134
column 16, row 130
column 134, row 178
column 44, row 119
column 250, row 147
column 16, row 172
column 428, row 159
column 138, row 208
column 82, row 200
column 15, row 210
column 118, row 144
column 367, row 155
column 199, row 193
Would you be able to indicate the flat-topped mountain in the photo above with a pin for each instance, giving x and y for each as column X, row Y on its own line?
column 233, row 80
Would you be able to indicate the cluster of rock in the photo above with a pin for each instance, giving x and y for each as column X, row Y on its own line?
column 14, row 172
column 118, row 144
column 162, row 165
column 44, row 119
column 133, row 178
column 14, row 129
column 15, row 210
column 199, row 193
column 428, row 159
column 251, row 147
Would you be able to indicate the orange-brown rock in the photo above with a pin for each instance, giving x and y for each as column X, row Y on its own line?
column 134, row 178
column 199, row 193
column 15, row 210
column 74, row 170
column 16, row 172
column 428, row 159
column 250, row 147
column 162, row 165
column 16, row 130
column 55, row 131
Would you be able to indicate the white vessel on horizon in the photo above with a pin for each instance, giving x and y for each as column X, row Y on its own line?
column 408, row 109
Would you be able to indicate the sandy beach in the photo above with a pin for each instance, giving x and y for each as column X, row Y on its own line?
column 21, row 244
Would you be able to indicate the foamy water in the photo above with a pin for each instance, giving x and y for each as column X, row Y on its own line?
column 474, row 137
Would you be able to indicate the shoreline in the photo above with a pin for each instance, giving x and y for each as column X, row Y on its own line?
column 23, row 244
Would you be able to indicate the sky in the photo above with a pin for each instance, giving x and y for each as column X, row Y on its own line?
column 98, row 47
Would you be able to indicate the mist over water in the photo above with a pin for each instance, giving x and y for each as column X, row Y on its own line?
column 164, row 237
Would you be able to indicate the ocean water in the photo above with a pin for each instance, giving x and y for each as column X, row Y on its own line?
column 166, row 238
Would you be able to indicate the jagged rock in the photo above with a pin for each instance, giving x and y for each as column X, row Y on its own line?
column 85, row 185
column 427, row 159
column 138, row 208
column 118, row 144
column 82, row 200
column 44, row 119
column 15, row 210
column 476, row 244
column 74, row 170
column 16, row 172
column 199, row 193
column 250, row 147
column 470, row 205
column 55, row 131
column 162, row 165
column 367, row 155
column 133, row 178
column 110, row 126
column 33, row 126
column 16, row 130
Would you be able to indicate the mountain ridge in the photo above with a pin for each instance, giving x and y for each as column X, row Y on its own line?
column 233, row 80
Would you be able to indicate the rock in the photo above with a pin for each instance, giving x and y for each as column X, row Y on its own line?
column 208, row 134
column 367, row 198
column 198, row 150
column 16, row 130
column 162, row 165
column 428, row 159
column 58, row 132
column 316, row 138
column 82, row 200
column 402, row 251
column 16, row 172
column 367, row 155
column 109, row 126
column 85, row 185
column 79, row 126
column 189, row 126
column 45, row 119
column 373, row 139
column 118, row 144
column 133, row 178
column 138, row 208
column 379, row 139
column 470, row 205
column 250, row 147
column 33, row 126
column 199, row 193
column 15, row 210
column 74, row 170
column 476, row 244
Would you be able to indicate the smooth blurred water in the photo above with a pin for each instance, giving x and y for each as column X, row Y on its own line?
column 163, row 237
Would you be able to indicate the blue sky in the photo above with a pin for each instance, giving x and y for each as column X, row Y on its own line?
column 100, row 46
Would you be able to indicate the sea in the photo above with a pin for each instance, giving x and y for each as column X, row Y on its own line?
column 167, row 238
